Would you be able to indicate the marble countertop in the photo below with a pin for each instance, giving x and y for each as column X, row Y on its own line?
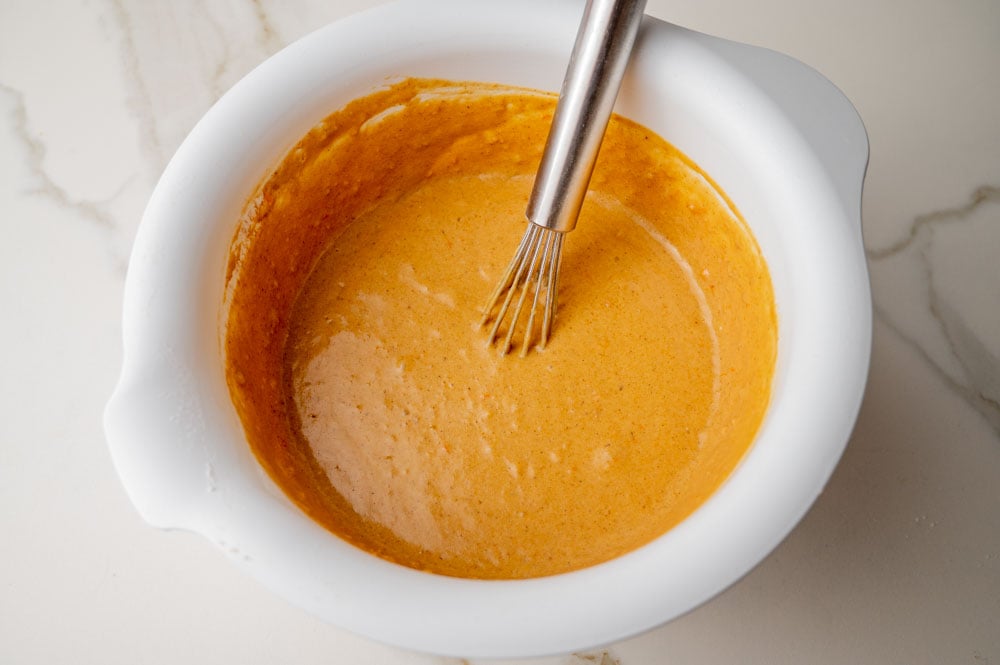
column 897, row 562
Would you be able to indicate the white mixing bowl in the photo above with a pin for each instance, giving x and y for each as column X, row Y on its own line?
column 783, row 142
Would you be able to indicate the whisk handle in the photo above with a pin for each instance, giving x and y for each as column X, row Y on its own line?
column 593, row 77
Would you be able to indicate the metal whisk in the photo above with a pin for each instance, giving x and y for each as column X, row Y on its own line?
column 593, row 77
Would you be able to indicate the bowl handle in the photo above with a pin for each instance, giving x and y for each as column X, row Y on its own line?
column 816, row 107
column 158, row 456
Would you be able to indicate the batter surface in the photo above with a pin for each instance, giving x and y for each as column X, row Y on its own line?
column 364, row 382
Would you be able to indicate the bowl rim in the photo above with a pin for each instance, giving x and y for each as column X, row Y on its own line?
column 176, row 441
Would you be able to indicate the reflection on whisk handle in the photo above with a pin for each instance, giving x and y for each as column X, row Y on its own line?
column 593, row 77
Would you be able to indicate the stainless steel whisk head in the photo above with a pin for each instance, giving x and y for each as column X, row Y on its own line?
column 534, row 270
column 593, row 77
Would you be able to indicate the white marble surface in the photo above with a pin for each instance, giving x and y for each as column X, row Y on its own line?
column 899, row 560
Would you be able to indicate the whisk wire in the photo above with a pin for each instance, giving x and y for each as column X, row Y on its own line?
column 525, row 285
column 533, row 269
column 514, row 273
column 545, row 247
column 553, row 288
column 505, row 283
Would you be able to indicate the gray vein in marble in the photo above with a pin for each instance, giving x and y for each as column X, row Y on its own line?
column 596, row 658
column 270, row 41
column 981, row 367
column 602, row 657
column 218, row 82
column 988, row 408
column 34, row 150
column 982, row 195
column 139, row 97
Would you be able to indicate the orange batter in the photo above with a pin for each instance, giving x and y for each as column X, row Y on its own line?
column 365, row 385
